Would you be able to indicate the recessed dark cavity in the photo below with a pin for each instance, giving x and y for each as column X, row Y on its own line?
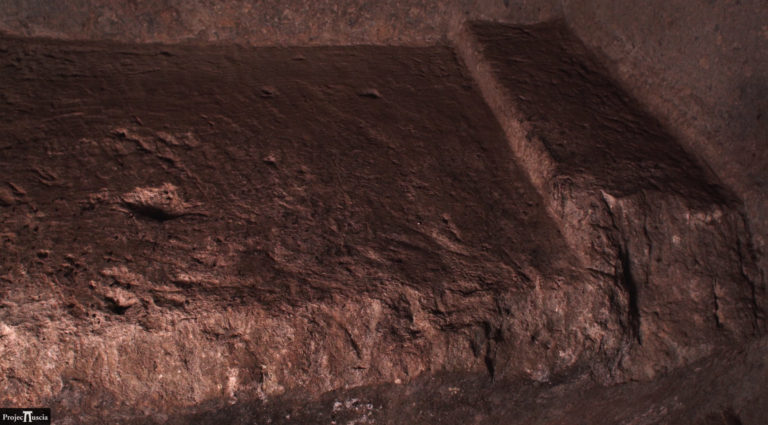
column 151, row 212
column 408, row 217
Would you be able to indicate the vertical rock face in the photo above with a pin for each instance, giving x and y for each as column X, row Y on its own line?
column 702, row 69
column 263, row 22
column 347, row 233
column 627, row 197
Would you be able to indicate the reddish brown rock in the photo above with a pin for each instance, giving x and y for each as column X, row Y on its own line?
column 344, row 234
column 304, row 242
column 627, row 197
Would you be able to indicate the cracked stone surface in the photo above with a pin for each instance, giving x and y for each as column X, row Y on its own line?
column 489, row 234
column 628, row 198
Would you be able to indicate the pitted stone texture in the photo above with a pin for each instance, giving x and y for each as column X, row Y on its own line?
column 263, row 22
column 203, row 224
column 627, row 196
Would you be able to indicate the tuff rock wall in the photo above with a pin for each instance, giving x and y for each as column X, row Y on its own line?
column 469, row 211
column 698, row 64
